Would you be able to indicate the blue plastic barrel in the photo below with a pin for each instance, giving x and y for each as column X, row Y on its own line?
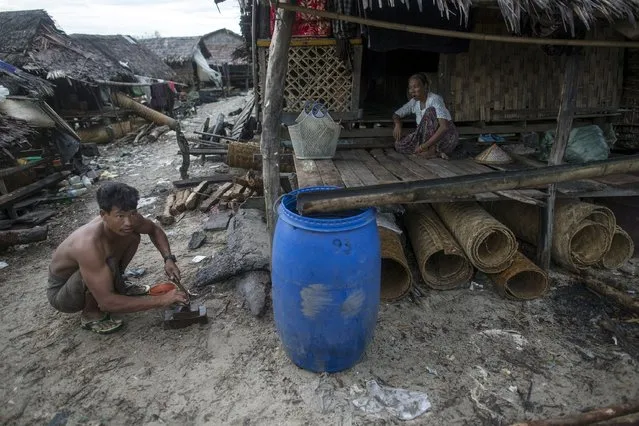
column 326, row 273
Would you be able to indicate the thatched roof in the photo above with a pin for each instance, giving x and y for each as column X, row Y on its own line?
column 22, row 83
column 175, row 50
column 222, row 44
column 14, row 135
column 31, row 40
column 124, row 49
column 569, row 13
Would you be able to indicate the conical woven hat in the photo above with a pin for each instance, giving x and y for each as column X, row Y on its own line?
column 494, row 155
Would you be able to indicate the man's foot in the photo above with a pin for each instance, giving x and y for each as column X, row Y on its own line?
column 104, row 325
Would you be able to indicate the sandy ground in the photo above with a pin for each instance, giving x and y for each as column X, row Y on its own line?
column 481, row 359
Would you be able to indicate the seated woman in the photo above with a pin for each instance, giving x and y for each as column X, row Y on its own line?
column 436, row 134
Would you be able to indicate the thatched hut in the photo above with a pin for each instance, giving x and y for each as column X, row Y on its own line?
column 224, row 45
column 31, row 41
column 187, row 56
column 482, row 81
column 129, row 53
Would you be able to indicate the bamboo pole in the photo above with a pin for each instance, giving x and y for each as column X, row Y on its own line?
column 254, row 10
column 564, row 125
column 589, row 417
column 145, row 112
column 273, row 103
column 458, row 186
column 456, row 34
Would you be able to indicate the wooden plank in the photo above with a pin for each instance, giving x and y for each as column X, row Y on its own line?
column 17, row 169
column 459, row 186
column 188, row 183
column 375, row 168
column 25, row 191
column 307, row 173
column 411, row 165
column 348, row 175
column 450, row 168
column 329, row 173
column 363, row 173
column 393, row 166
column 564, row 125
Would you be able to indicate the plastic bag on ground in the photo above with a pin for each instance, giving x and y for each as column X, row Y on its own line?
column 400, row 403
column 585, row 144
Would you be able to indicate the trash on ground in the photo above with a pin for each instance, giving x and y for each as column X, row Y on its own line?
column 3, row 264
column 198, row 259
column 400, row 403
column 134, row 272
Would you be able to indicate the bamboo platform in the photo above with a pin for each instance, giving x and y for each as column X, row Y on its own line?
column 360, row 167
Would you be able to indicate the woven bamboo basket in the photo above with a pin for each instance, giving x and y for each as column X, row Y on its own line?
column 489, row 245
column 247, row 155
column 582, row 232
column 396, row 276
column 621, row 250
column 522, row 280
column 442, row 262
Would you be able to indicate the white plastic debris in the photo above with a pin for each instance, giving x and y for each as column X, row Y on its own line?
column 198, row 259
column 3, row 264
column 400, row 403
column 143, row 202
column 519, row 340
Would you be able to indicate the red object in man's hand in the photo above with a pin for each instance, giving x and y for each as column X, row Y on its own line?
column 161, row 288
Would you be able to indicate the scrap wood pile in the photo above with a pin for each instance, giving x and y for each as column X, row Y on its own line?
column 205, row 195
column 453, row 240
column 146, row 133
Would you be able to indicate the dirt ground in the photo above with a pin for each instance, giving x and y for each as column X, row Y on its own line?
column 480, row 358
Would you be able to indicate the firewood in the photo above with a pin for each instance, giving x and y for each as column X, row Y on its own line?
column 215, row 197
column 180, row 205
column 157, row 132
column 23, row 236
column 178, row 196
column 233, row 193
column 194, row 197
column 166, row 218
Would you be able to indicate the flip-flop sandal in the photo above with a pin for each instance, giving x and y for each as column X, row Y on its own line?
column 104, row 325
column 132, row 289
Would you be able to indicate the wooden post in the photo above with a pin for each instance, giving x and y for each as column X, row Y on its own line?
column 273, row 102
column 564, row 125
column 254, row 12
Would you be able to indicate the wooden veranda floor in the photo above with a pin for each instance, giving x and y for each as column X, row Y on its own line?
column 360, row 167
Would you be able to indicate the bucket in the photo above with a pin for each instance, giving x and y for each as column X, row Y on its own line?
column 326, row 272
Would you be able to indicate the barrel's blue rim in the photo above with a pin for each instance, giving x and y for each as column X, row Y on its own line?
column 322, row 225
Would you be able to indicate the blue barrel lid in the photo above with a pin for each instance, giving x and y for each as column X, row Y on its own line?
column 325, row 222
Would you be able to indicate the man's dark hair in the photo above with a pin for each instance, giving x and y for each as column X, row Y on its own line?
column 117, row 194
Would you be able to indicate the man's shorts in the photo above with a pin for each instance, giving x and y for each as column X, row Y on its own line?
column 66, row 295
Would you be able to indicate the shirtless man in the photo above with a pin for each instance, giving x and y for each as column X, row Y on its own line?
column 86, row 269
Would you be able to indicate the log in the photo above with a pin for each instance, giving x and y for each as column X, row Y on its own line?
column 145, row 112
column 23, row 236
column 564, row 125
column 143, row 131
column 178, row 196
column 588, row 417
column 25, row 191
column 215, row 197
column 273, row 103
column 458, row 186
column 610, row 292
column 180, row 203
column 233, row 193
column 157, row 132
column 104, row 134
column 188, row 183
column 166, row 218
column 195, row 195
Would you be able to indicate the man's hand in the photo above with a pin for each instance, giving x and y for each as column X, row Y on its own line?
column 397, row 130
column 173, row 296
column 172, row 270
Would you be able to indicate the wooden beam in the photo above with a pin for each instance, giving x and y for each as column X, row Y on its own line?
column 455, row 34
column 273, row 103
column 189, row 183
column 564, row 125
column 25, row 191
column 23, row 236
column 459, row 186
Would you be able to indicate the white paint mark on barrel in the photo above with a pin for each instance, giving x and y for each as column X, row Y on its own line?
column 314, row 298
column 353, row 304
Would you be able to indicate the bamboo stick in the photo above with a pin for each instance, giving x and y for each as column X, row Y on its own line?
column 458, row 186
column 612, row 293
column 589, row 417
column 456, row 34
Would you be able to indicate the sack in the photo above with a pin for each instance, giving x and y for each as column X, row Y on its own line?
column 584, row 144
column 314, row 135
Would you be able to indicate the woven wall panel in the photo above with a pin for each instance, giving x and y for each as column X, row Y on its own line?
column 506, row 81
column 314, row 73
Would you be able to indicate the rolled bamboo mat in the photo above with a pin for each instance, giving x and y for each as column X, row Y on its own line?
column 621, row 250
column 441, row 260
column 396, row 276
column 582, row 232
column 489, row 245
column 522, row 280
